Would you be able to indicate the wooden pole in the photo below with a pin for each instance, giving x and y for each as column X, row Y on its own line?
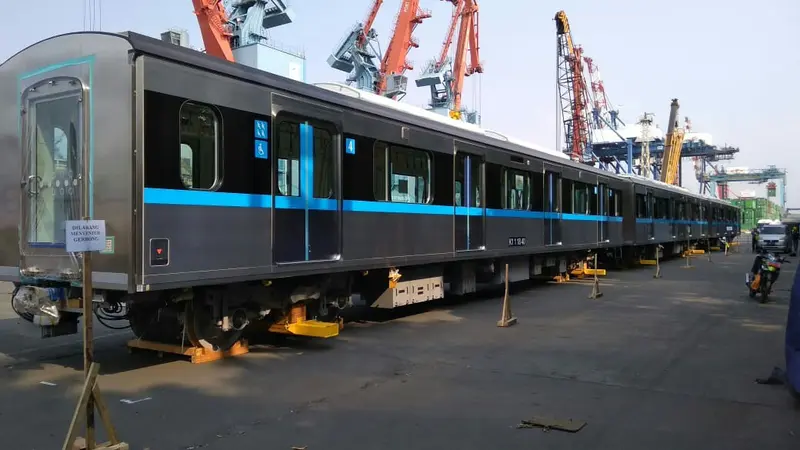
column 88, row 342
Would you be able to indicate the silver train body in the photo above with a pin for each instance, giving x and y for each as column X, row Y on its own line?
column 223, row 185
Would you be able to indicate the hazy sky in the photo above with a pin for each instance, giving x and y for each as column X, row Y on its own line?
column 732, row 64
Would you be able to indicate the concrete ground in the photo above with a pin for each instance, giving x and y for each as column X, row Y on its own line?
column 656, row 364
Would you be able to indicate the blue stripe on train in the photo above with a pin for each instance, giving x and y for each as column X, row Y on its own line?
column 227, row 199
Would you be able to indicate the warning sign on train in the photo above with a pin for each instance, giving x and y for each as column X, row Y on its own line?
column 86, row 235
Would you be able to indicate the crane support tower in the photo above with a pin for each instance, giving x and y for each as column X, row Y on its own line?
column 672, row 149
column 444, row 75
column 573, row 94
column 393, row 82
column 357, row 53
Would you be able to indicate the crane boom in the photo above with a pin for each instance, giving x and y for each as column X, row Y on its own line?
column 468, row 32
column 573, row 93
column 213, row 21
column 356, row 54
column 458, row 7
column 393, row 81
column 673, row 142
column 365, row 30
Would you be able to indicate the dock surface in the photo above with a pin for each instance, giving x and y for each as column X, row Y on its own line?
column 655, row 363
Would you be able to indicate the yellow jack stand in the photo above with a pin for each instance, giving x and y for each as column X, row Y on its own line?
column 507, row 319
column 197, row 355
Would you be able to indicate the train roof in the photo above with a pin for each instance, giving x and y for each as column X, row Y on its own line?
column 429, row 115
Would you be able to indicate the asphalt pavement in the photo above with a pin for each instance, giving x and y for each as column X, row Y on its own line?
column 655, row 363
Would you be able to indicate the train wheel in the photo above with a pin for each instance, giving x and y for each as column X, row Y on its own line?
column 155, row 324
column 204, row 331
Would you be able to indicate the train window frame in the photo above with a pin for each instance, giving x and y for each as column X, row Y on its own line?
column 218, row 146
column 526, row 188
column 387, row 152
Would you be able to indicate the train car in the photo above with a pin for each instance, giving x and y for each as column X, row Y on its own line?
column 234, row 198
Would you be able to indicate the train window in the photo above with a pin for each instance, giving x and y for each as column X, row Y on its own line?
column 566, row 195
column 199, row 146
column 537, row 191
column 475, row 180
column 323, row 164
column 594, row 208
column 641, row 206
column 661, row 208
column 517, row 189
column 580, row 195
column 615, row 205
column 288, row 158
column 402, row 174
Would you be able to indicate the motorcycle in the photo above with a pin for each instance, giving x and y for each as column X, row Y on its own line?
column 763, row 275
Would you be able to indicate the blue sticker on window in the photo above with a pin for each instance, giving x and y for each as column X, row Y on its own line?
column 262, row 149
column 350, row 146
column 261, row 130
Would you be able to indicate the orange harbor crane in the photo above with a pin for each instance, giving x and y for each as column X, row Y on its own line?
column 393, row 82
column 213, row 21
column 467, row 32
column 573, row 94
column 446, row 85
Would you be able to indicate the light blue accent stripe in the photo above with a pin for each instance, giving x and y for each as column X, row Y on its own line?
column 465, row 211
column 207, row 198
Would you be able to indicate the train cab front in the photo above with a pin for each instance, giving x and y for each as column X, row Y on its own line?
column 65, row 134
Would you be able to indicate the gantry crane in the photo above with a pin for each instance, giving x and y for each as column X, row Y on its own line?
column 445, row 75
column 756, row 176
column 573, row 94
column 357, row 52
column 673, row 143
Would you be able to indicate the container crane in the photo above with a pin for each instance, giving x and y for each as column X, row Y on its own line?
column 447, row 85
column 393, row 83
column 673, row 142
column 357, row 53
column 573, row 94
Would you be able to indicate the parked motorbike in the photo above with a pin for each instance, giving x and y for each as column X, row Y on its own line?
column 763, row 275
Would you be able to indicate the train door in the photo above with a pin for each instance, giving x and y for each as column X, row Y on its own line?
column 470, row 208
column 552, row 207
column 306, row 192
column 602, row 211
column 673, row 216
column 651, row 224
column 54, row 174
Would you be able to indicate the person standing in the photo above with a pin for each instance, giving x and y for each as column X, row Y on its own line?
column 754, row 239
column 795, row 238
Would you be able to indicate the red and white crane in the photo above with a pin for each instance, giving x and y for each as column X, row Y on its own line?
column 444, row 75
